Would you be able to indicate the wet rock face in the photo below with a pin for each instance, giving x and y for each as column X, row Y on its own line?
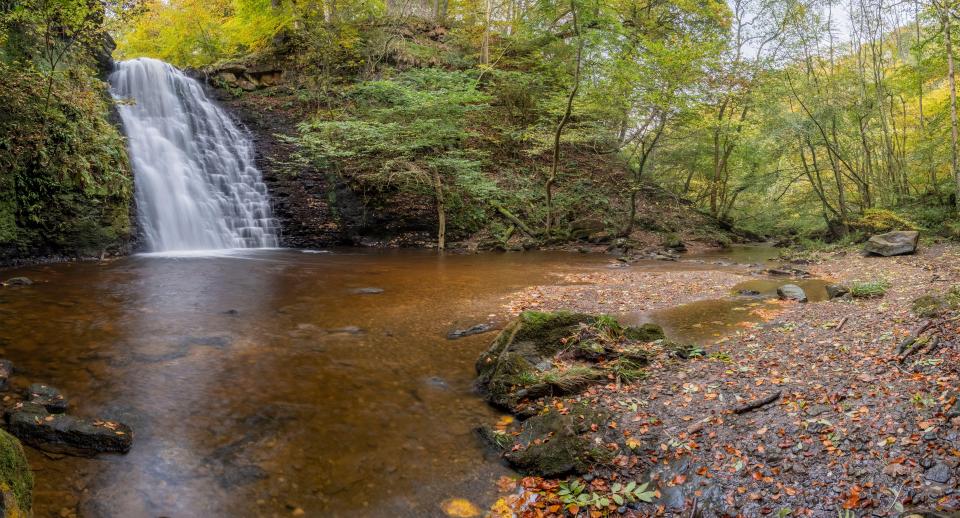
column 898, row 242
column 792, row 292
column 33, row 424
column 554, row 444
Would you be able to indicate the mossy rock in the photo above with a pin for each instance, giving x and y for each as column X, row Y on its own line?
column 554, row 444
column 521, row 363
column 525, row 343
column 645, row 333
column 928, row 306
column 16, row 479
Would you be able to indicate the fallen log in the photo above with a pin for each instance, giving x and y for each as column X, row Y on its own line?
column 757, row 403
column 515, row 220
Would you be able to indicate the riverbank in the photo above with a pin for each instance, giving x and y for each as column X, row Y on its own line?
column 852, row 429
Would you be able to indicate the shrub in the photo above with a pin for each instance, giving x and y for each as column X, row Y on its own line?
column 869, row 289
column 882, row 220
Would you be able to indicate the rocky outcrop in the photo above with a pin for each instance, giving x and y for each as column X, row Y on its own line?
column 246, row 77
column 898, row 242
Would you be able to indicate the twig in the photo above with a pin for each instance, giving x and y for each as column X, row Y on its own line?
column 757, row 403
column 840, row 325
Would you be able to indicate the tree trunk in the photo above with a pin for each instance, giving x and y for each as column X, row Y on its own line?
column 945, row 16
column 552, row 179
column 441, row 212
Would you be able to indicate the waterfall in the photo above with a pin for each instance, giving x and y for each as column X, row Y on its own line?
column 197, row 187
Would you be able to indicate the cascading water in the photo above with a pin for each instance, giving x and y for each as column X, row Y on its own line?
column 196, row 183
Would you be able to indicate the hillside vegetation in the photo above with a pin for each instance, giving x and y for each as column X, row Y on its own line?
column 790, row 117
column 65, row 181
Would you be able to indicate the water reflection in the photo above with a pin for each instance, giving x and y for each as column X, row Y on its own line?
column 262, row 383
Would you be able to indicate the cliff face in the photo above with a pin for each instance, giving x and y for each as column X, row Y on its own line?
column 316, row 208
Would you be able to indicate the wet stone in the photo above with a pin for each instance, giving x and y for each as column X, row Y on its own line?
column 33, row 424
column 792, row 292
column 48, row 397
column 472, row 330
column 836, row 291
column 18, row 281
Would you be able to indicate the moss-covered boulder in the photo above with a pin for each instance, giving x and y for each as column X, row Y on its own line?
column 553, row 354
column 16, row 479
column 552, row 444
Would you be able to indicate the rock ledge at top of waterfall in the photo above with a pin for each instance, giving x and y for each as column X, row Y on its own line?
column 197, row 185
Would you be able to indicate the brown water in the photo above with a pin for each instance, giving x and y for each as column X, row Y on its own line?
column 262, row 383
column 250, row 390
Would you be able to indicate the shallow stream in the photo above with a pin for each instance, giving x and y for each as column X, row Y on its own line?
column 264, row 382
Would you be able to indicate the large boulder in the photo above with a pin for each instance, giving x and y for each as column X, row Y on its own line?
column 16, row 479
column 898, row 242
column 33, row 424
column 522, row 363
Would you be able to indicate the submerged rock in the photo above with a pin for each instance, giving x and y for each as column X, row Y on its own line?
column 366, row 291
column 18, row 281
column 472, row 330
column 16, row 479
column 554, row 444
column 48, row 397
column 33, row 424
column 792, row 292
column 898, row 242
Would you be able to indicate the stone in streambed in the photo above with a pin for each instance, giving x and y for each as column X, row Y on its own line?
column 48, row 397
column 472, row 330
column 792, row 292
column 18, row 281
column 835, row 291
column 366, row 291
column 33, row 424
column 898, row 242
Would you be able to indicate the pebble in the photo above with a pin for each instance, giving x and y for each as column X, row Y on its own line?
column 939, row 473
